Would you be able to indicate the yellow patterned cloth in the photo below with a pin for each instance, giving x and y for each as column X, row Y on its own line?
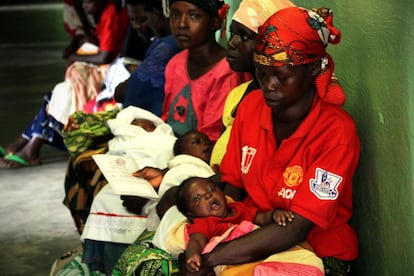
column 232, row 101
column 253, row 13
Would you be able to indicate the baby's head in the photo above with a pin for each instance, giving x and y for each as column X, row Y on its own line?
column 146, row 124
column 199, row 197
column 194, row 143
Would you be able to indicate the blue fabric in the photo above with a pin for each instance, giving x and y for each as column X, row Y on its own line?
column 145, row 87
column 45, row 127
column 102, row 256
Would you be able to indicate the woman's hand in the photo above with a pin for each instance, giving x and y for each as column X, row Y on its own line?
column 134, row 204
column 153, row 175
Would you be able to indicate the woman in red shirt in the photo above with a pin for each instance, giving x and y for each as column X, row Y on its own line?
column 293, row 147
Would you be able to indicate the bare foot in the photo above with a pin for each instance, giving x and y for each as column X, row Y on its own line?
column 16, row 145
column 28, row 155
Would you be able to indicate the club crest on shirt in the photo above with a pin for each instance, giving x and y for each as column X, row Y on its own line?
column 293, row 175
column 325, row 184
column 248, row 154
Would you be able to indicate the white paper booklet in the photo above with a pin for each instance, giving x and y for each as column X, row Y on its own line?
column 118, row 171
column 87, row 48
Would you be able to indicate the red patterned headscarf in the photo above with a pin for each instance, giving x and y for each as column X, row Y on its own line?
column 297, row 36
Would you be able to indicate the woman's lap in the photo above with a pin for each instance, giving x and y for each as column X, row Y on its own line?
column 102, row 256
column 144, row 257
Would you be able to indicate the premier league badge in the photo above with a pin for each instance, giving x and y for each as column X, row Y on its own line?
column 325, row 184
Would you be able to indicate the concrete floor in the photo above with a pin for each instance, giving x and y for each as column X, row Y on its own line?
column 35, row 227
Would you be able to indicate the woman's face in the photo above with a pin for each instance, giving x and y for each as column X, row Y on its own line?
column 139, row 21
column 153, row 20
column 240, row 47
column 204, row 199
column 91, row 6
column 198, row 145
column 190, row 25
column 284, row 86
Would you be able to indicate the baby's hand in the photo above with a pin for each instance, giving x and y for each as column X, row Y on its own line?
column 194, row 263
column 281, row 217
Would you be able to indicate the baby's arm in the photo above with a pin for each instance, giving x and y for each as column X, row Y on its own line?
column 193, row 252
column 278, row 216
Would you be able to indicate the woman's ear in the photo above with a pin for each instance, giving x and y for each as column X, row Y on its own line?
column 217, row 24
column 316, row 68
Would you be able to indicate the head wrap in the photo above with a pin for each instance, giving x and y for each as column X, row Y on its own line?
column 212, row 7
column 253, row 13
column 297, row 36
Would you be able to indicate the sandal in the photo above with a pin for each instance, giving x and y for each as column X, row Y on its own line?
column 19, row 162
column 3, row 152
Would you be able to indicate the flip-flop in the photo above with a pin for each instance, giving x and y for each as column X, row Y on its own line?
column 3, row 152
column 17, row 159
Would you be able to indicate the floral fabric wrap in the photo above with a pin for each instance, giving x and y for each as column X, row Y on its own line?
column 87, row 131
column 144, row 259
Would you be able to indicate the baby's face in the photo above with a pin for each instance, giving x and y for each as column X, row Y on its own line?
column 204, row 199
column 198, row 145
column 145, row 124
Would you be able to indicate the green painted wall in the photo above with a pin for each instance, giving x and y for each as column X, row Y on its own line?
column 375, row 65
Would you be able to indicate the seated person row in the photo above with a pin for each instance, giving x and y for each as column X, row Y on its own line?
column 144, row 89
column 208, row 77
column 277, row 159
column 111, row 26
column 239, row 62
column 243, row 29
